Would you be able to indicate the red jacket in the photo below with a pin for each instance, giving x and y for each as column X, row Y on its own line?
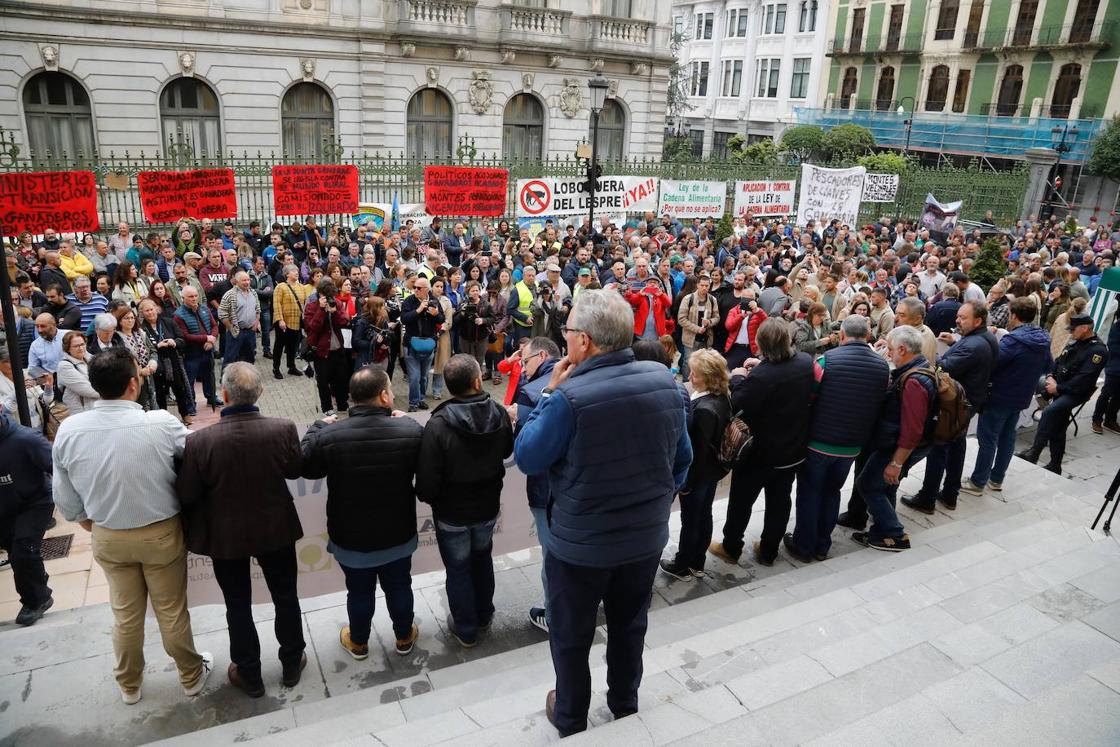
column 661, row 302
column 513, row 371
column 319, row 326
column 735, row 321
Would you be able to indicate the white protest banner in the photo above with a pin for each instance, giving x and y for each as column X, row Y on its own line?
column 880, row 187
column 760, row 198
column 828, row 194
column 940, row 216
column 692, row 199
column 568, row 195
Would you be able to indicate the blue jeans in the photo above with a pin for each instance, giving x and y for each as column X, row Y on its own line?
column 944, row 461
column 417, row 367
column 879, row 496
column 361, row 595
column 266, row 325
column 467, row 553
column 201, row 367
column 544, row 537
column 818, row 501
column 243, row 347
column 996, row 433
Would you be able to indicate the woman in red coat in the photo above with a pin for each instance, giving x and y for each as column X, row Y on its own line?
column 651, row 300
column 324, row 318
column 742, row 323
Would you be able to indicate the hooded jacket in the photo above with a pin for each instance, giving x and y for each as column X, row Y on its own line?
column 462, row 459
column 25, row 468
column 527, row 398
column 1024, row 356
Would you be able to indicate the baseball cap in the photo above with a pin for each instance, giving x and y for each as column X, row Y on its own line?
column 585, row 271
column 1080, row 319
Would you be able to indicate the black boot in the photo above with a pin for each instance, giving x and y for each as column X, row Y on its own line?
column 1055, row 463
column 1030, row 455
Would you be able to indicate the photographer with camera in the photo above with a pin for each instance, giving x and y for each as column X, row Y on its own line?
column 324, row 319
column 421, row 315
column 743, row 321
column 474, row 322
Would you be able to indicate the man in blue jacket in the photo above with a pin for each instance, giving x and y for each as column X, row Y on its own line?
column 537, row 363
column 1024, row 356
column 612, row 480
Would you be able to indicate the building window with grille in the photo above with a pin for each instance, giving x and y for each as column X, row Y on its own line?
column 946, row 26
column 799, row 85
column 307, row 121
column 737, row 23
column 960, row 93
column 429, row 121
column 1024, row 23
column 859, row 17
column 938, row 89
column 719, row 145
column 523, row 128
column 612, row 131
column 731, row 84
column 59, row 118
column 807, row 18
column 884, row 96
column 613, row 8
column 697, row 137
column 699, row 78
column 1010, row 89
column 189, row 112
column 1065, row 90
column 848, row 87
column 774, row 19
column 768, row 72
column 704, row 25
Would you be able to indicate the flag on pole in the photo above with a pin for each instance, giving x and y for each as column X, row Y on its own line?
column 396, row 215
column 1103, row 307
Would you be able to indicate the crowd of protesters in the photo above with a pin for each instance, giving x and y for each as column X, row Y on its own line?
column 841, row 351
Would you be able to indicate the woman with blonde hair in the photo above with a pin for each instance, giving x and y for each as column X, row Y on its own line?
column 711, row 410
column 1059, row 330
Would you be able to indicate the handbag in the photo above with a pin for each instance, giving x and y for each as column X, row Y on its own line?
column 422, row 345
column 497, row 343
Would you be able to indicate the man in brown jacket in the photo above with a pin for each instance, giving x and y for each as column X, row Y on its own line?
column 237, row 508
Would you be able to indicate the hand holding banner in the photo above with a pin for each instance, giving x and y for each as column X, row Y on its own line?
column 321, row 189
column 466, row 191
column 35, row 201
column 167, row 196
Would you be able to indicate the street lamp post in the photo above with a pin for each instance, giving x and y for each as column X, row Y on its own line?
column 1058, row 134
column 909, row 121
column 598, row 87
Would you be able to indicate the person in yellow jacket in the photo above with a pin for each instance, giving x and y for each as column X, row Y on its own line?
column 521, row 304
column 74, row 264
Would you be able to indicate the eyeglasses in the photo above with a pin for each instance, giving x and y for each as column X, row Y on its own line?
column 565, row 329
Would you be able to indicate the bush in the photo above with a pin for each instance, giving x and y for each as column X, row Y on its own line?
column 885, row 163
column 1105, row 160
column 724, row 228
column 847, row 140
column 802, row 141
column 990, row 265
column 762, row 153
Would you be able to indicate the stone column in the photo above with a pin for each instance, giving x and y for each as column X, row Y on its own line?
column 1040, row 161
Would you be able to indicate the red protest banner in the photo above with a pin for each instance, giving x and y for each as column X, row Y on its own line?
column 466, row 191
column 315, row 190
column 167, row 196
column 36, row 201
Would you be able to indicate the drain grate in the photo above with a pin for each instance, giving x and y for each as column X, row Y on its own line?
column 56, row 547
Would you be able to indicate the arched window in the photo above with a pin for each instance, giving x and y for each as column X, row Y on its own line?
column 938, row 89
column 885, row 93
column 612, row 131
column 1009, row 91
column 429, row 124
column 188, row 109
column 1065, row 90
column 523, row 128
column 59, row 119
column 307, row 120
column 849, row 86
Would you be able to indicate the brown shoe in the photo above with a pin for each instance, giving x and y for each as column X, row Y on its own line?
column 252, row 689
column 1098, row 428
column 358, row 650
column 550, row 708
column 756, row 549
column 291, row 675
column 404, row 646
column 717, row 549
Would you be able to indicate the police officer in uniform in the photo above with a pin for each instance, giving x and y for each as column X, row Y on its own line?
column 1071, row 385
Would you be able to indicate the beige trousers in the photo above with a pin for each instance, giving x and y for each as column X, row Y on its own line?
column 142, row 563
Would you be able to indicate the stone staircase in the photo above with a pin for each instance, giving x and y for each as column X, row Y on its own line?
column 1000, row 626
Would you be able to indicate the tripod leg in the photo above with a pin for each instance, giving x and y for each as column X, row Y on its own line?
column 1108, row 496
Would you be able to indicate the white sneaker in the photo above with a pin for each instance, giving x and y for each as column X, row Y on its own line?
column 996, row 486
column 968, row 486
column 207, row 668
column 130, row 698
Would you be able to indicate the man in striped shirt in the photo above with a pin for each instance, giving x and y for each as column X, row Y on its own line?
column 88, row 301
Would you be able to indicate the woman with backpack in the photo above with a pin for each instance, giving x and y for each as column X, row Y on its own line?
column 711, row 411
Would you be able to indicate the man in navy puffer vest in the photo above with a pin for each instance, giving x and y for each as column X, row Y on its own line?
column 610, row 433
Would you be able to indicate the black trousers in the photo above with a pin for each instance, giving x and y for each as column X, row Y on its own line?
column 287, row 343
column 574, row 593
column 1108, row 403
column 332, row 378
column 747, row 482
column 21, row 534
column 1052, row 426
column 279, row 570
column 857, row 509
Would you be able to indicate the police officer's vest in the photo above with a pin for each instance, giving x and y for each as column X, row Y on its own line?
column 524, row 303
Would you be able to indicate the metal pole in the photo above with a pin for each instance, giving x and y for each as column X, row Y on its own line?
column 13, row 341
column 592, row 180
column 909, row 124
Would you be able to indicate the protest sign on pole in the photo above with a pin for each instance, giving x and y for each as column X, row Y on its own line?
column 36, row 201
column 880, row 187
column 465, row 191
column 166, row 196
column 692, row 199
column 378, row 213
column 764, row 198
column 828, row 194
column 940, row 216
column 319, row 189
column 568, row 195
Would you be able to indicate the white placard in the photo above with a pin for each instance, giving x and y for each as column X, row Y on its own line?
column 828, row 194
column 764, row 197
column 880, row 187
column 568, row 195
column 692, row 199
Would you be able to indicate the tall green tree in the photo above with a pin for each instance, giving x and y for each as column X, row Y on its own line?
column 1105, row 160
column 990, row 265
column 802, row 141
column 847, row 141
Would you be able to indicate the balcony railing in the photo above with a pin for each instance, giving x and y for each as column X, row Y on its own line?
column 996, row 109
column 454, row 17
column 611, row 34
column 893, row 44
column 1088, row 35
column 522, row 23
